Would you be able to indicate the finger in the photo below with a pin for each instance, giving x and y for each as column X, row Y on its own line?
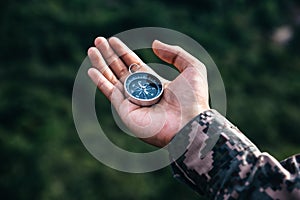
column 176, row 56
column 128, row 56
column 98, row 62
column 111, row 58
column 122, row 105
column 106, row 87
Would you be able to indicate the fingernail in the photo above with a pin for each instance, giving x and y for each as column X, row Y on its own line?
column 99, row 40
column 92, row 73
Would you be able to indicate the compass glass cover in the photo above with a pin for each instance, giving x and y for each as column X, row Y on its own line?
column 143, row 86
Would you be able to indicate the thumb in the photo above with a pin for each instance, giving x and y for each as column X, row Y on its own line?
column 175, row 55
column 165, row 52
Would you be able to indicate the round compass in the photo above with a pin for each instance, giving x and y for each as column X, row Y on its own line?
column 143, row 88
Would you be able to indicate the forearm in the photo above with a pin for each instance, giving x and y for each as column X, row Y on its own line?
column 220, row 162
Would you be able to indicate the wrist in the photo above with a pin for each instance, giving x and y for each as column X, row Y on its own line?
column 186, row 119
column 190, row 115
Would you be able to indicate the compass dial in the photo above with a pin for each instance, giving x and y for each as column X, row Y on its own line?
column 143, row 88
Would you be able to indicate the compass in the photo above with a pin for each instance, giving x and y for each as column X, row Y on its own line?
column 143, row 88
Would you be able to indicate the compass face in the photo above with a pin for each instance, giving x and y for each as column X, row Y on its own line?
column 143, row 87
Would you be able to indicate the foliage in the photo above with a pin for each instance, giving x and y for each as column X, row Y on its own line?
column 44, row 42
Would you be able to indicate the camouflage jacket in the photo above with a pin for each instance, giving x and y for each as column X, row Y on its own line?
column 214, row 158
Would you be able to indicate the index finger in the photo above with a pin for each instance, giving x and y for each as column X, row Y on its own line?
column 130, row 58
column 126, row 54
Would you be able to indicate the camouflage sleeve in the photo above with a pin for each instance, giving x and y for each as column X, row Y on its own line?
column 219, row 162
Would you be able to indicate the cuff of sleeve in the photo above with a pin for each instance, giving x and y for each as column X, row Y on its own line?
column 202, row 147
column 209, row 123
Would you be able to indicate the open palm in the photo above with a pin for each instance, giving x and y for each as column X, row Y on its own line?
column 183, row 98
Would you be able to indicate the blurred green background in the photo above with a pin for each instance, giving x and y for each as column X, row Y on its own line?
column 254, row 43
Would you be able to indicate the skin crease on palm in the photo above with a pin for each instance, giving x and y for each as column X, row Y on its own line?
column 184, row 98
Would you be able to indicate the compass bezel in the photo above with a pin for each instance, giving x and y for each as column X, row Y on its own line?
column 139, row 101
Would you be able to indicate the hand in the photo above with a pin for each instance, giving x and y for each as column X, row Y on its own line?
column 183, row 98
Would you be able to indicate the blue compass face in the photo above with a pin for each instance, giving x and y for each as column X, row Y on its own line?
column 143, row 86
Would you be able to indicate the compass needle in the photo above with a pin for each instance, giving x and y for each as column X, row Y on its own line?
column 143, row 88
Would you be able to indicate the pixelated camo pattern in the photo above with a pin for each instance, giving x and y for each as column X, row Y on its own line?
column 221, row 163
